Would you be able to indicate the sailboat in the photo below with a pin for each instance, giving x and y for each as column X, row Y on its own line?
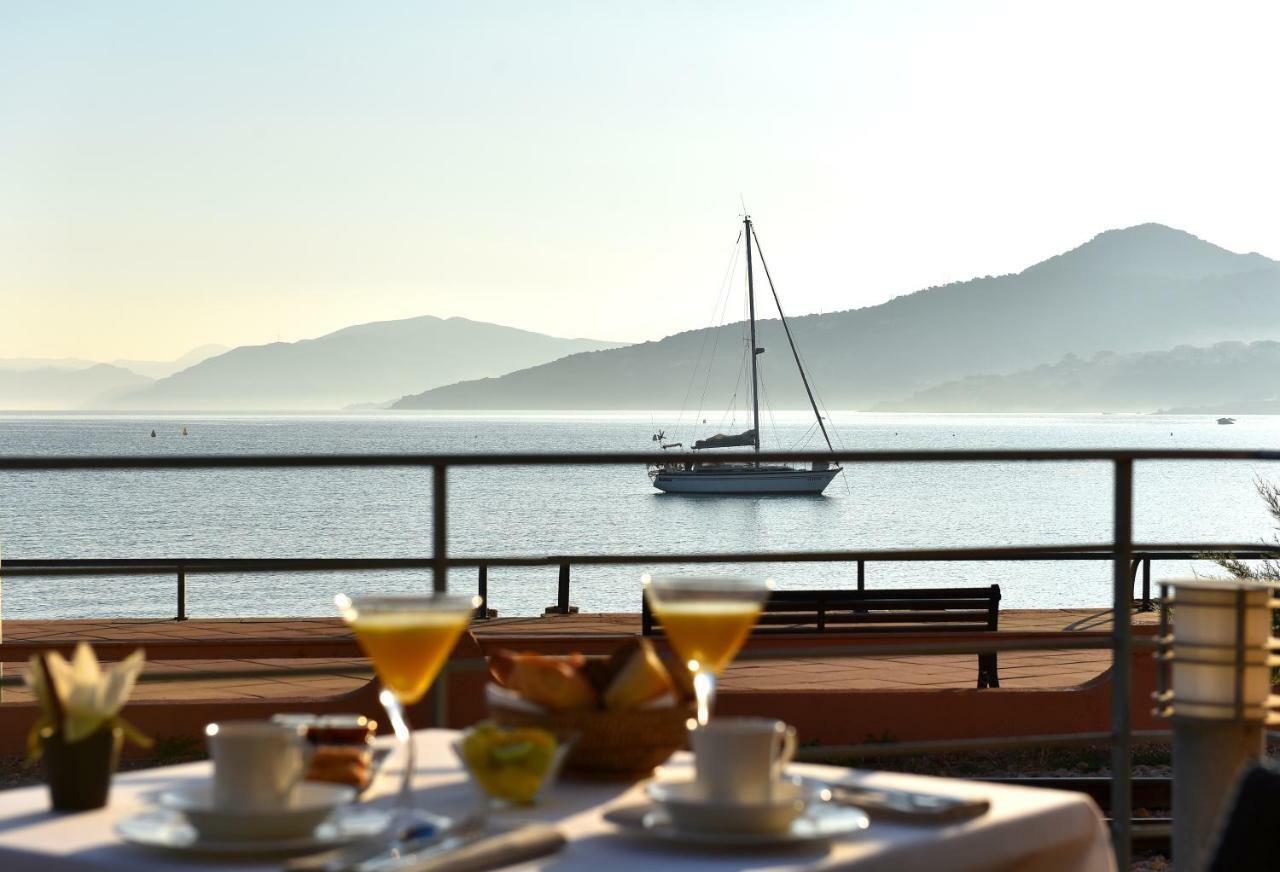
column 731, row 473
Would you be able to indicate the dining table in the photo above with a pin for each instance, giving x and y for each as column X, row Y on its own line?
column 1023, row 829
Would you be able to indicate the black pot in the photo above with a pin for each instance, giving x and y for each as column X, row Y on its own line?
column 79, row 773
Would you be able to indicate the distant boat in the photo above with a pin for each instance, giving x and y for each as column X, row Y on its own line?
column 728, row 474
column 1226, row 420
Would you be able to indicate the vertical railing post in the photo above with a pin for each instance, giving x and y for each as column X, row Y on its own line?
column 1146, row 585
column 440, row 576
column 482, row 590
column 562, row 594
column 440, row 528
column 862, row 575
column 1122, row 662
column 182, row 593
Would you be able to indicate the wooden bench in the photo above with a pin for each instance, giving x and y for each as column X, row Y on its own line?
column 929, row 610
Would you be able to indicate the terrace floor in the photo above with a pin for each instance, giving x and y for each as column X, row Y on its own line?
column 269, row 677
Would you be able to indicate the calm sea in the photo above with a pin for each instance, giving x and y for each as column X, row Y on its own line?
column 497, row 511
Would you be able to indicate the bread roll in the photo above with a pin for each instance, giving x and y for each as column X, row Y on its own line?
column 641, row 678
column 556, row 683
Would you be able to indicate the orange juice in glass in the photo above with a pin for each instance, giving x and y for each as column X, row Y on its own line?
column 408, row 639
column 707, row 620
column 408, row 648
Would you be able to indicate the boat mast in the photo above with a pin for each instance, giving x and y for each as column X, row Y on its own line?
column 751, row 307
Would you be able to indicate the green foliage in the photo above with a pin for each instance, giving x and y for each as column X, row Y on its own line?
column 1267, row 570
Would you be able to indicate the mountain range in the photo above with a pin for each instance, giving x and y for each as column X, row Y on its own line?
column 361, row 364
column 1143, row 288
column 149, row 368
column 1228, row 378
column 50, row 384
column 1177, row 308
column 50, row 388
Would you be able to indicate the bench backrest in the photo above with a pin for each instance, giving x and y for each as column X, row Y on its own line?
column 933, row 610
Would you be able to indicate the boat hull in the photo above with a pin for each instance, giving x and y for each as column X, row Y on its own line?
column 765, row 480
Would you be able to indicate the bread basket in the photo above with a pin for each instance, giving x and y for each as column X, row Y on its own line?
column 623, row 745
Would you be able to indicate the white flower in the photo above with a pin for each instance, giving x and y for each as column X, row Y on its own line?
column 89, row 695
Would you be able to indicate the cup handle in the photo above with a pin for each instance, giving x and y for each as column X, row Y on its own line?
column 786, row 751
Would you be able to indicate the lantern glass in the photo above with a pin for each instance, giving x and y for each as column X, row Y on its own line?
column 1205, row 614
column 1204, row 680
column 1206, row 660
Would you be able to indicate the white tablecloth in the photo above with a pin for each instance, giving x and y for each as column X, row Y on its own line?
column 1027, row 829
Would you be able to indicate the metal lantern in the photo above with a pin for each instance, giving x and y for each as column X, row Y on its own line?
column 1214, row 684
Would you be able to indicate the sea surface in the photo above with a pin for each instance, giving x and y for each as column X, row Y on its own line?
column 552, row 510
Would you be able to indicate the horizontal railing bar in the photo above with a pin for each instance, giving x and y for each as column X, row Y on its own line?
column 1031, row 553
column 246, row 461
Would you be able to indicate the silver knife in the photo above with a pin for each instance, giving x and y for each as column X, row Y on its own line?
column 476, row 851
column 351, row 856
column 905, row 805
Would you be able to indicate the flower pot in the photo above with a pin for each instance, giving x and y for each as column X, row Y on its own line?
column 79, row 773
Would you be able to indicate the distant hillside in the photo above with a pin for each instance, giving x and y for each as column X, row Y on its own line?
column 150, row 368
column 1227, row 408
column 1143, row 288
column 162, row 368
column 48, row 388
column 365, row 363
column 1230, row 375
column 19, row 364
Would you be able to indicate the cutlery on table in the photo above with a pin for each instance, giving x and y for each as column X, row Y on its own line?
column 475, row 851
column 366, row 850
column 904, row 805
column 464, row 846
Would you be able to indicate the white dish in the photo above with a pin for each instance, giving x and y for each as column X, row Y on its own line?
column 821, row 822
column 315, row 801
column 688, row 807
column 169, row 830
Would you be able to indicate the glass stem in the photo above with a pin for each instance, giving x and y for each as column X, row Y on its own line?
column 704, row 690
column 405, row 817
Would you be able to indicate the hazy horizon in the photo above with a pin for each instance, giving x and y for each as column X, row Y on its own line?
column 172, row 176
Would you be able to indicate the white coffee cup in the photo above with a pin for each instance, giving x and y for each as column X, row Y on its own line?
column 739, row 760
column 257, row 764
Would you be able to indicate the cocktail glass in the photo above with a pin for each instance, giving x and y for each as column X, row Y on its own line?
column 408, row 639
column 706, row 619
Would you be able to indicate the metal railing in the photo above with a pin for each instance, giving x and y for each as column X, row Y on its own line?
column 182, row 567
column 1121, row 551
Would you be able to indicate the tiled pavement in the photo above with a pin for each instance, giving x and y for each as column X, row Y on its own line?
column 274, row 678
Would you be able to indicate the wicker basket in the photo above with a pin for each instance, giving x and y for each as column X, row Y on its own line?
column 610, row 744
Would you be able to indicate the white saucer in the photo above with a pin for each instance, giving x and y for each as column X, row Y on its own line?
column 170, row 831
column 821, row 822
column 688, row 807
column 315, row 801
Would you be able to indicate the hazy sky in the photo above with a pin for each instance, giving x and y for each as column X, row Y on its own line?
column 179, row 173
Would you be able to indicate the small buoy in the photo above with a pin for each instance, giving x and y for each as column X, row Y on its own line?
column 184, row 431
column 153, row 434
